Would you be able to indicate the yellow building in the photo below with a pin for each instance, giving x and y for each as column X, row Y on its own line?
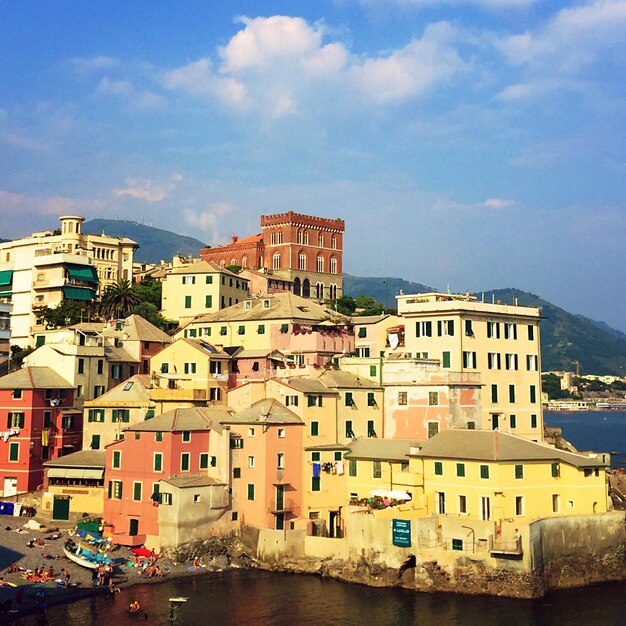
column 190, row 370
column 374, row 334
column 193, row 289
column 497, row 341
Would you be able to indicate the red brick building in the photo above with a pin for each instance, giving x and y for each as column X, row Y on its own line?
column 40, row 424
column 304, row 249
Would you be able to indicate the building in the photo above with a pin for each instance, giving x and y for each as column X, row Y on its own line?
column 167, row 479
column 36, row 405
column 306, row 332
column 263, row 282
column 48, row 267
column 5, row 333
column 302, row 249
column 193, row 289
column 497, row 341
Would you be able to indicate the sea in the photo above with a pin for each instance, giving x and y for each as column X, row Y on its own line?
column 242, row 597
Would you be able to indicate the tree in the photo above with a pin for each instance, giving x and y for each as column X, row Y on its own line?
column 67, row 312
column 368, row 306
column 149, row 312
column 344, row 305
column 150, row 291
column 18, row 355
column 119, row 300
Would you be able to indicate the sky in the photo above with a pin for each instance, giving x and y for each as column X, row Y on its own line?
column 468, row 144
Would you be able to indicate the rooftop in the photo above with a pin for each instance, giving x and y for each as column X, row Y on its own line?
column 34, row 377
column 381, row 449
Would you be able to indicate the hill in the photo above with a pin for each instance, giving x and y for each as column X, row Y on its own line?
column 155, row 244
column 383, row 289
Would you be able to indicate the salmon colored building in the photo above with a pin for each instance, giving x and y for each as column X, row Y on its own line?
column 39, row 424
column 304, row 249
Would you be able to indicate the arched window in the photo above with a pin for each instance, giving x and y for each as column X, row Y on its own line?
column 276, row 261
column 296, row 286
column 272, row 239
column 333, row 265
column 333, row 242
column 244, row 261
column 233, row 261
column 320, row 240
column 280, row 236
column 306, row 237
column 333, row 291
column 306, row 288
column 299, row 236
column 320, row 263
column 302, row 261
column 319, row 291
column 223, row 263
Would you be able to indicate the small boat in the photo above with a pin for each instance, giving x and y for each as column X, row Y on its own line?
column 84, row 556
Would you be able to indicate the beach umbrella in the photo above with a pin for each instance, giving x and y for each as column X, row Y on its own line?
column 380, row 493
column 398, row 495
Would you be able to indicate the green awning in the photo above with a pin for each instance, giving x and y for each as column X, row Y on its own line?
column 78, row 293
column 86, row 273
column 6, row 294
column 6, row 278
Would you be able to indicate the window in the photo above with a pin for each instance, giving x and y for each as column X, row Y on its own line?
column 100, row 366
column 236, row 443
column 315, row 429
column 377, row 470
column 158, row 462
column 276, row 261
column 512, row 394
column 371, row 432
column 189, row 280
column 349, row 400
column 250, row 432
column 424, row 329
column 204, row 460
column 241, row 330
column 493, row 330
column 533, row 394
column 510, row 361
column 315, row 456
column 190, row 368
column 460, row 470
column 371, row 398
column 117, row 459
column 16, row 420
column 95, row 442
column 281, row 433
column 440, row 502
column 349, row 431
column 362, row 332
column 261, row 329
column 533, row 421
column 137, row 487
column 493, row 361
column 519, row 506
column 556, row 502
column 158, row 436
column 484, row 471
column 532, row 362
column 184, row 462
column 215, row 394
column 462, row 504
column 445, row 328
column 116, row 371
column 510, row 331
column 272, row 239
column 531, row 332
column 519, row 472
column 494, row 394
column 187, row 302
column 469, row 330
column 301, row 261
column 445, row 359
column 555, row 470
column 236, row 472
column 513, row 420
column 372, row 370
column 166, row 498
column 469, row 360
column 280, row 460
column 120, row 415
column 98, row 390
column 251, row 462
column 115, row 489
column 95, row 415
column 208, row 302
column 333, row 265
column 14, row 451
column 186, row 436
column 433, row 429
column 320, row 263
column 250, row 491
column 433, row 398
column 402, row 398
column 314, row 400
column 438, row 468
column 291, row 400
column 209, row 280
column 457, row 544
column 352, row 468
column 315, row 483
column 80, row 366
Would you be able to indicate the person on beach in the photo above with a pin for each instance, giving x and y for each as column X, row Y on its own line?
column 195, row 564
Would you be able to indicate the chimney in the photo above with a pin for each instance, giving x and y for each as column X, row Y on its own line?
column 233, row 239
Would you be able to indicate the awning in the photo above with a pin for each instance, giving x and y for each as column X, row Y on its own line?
column 85, row 273
column 6, row 294
column 6, row 278
column 78, row 293
column 76, row 473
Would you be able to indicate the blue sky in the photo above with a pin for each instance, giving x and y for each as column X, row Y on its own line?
column 474, row 144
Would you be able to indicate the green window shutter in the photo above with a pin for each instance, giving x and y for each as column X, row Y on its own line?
column 352, row 468
column 438, row 468
column 451, row 328
column 209, row 280
column 158, row 462
column 208, row 302
column 184, row 462
column 533, row 394
column 513, row 421
column 241, row 330
column 158, row 436
column 460, row 469
column 372, row 370
column 556, row 470
column 95, row 442
column 315, row 429
column 371, row 399
column 223, row 330
column 236, row 472
column 117, row 459
column 349, row 399
column 261, row 329
column 110, row 489
column 204, row 461
column 213, row 461
column 250, row 492
column 371, row 432
column 533, row 421
column 315, row 456
column 512, row 394
column 349, row 431
column 484, row 471
column 519, row 471
column 284, row 328
column 362, row 332
column 315, row 483
column 137, row 492
column 494, row 394
column 337, row 456
column 114, row 415
column 446, row 359
column 14, row 452
column 187, row 302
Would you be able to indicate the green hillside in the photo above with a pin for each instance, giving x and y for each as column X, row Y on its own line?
column 155, row 244
column 383, row 289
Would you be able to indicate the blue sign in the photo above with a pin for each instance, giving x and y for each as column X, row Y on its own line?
column 401, row 533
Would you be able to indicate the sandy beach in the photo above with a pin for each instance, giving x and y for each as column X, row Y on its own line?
column 15, row 537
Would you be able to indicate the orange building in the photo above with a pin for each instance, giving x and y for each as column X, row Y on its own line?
column 304, row 249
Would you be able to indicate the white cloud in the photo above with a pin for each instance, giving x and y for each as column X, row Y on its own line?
column 495, row 204
column 139, row 98
column 149, row 190
column 282, row 66
column 88, row 65
column 488, row 4
column 51, row 205
column 209, row 220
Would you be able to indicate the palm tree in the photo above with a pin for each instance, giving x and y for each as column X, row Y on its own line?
column 119, row 300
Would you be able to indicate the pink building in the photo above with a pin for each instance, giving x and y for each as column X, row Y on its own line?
column 182, row 446
column 41, row 424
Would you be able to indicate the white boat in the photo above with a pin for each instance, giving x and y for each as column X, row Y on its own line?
column 84, row 556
